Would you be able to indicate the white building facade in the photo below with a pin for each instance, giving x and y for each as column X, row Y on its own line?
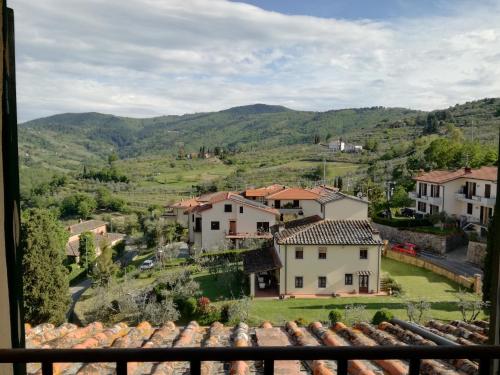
column 467, row 194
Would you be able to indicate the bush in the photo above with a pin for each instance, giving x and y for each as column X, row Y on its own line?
column 301, row 322
column 334, row 316
column 188, row 307
column 402, row 223
column 211, row 315
column 388, row 283
column 382, row 315
column 225, row 312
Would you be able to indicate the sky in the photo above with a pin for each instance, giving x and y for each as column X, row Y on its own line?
column 143, row 58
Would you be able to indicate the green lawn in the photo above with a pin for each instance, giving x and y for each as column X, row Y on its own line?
column 418, row 284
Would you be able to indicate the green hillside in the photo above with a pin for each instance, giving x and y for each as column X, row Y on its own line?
column 264, row 144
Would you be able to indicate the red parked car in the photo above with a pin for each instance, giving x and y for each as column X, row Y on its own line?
column 406, row 248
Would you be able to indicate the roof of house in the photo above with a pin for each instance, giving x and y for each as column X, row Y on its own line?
column 294, row 194
column 261, row 260
column 338, row 196
column 168, row 335
column 323, row 189
column 185, row 203
column 227, row 195
column 264, row 191
column 72, row 247
column 442, row 176
column 85, row 226
column 330, row 232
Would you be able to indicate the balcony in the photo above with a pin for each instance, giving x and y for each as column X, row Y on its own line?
column 414, row 195
column 485, row 201
column 268, row 355
column 291, row 210
column 241, row 235
column 490, row 202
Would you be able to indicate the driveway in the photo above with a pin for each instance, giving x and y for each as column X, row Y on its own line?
column 454, row 261
column 76, row 292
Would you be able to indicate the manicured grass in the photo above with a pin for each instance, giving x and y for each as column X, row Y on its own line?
column 217, row 290
column 418, row 284
column 76, row 274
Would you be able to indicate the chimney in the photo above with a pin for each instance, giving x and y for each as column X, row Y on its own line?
column 467, row 170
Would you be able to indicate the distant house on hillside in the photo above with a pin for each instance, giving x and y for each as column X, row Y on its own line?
column 337, row 145
column 99, row 230
column 467, row 194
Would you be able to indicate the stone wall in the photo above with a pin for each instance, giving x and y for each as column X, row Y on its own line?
column 476, row 251
column 426, row 241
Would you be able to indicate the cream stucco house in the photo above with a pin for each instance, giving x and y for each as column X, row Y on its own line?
column 468, row 194
column 339, row 206
column 318, row 257
column 228, row 218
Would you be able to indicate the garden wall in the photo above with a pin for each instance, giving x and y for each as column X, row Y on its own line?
column 476, row 251
column 473, row 283
column 431, row 242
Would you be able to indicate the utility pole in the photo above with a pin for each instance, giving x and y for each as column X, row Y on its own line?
column 324, row 170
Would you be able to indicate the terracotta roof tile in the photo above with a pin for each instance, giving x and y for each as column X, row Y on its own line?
column 85, row 226
column 263, row 191
column 294, row 194
column 217, row 335
column 330, row 232
column 442, row 176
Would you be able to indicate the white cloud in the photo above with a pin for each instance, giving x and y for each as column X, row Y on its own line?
column 145, row 58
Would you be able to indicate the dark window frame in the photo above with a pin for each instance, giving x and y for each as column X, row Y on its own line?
column 363, row 254
column 262, row 226
column 241, row 209
column 470, row 208
column 228, row 207
column 322, row 253
column 322, row 282
column 299, row 251
column 299, row 282
column 216, row 224
column 348, row 279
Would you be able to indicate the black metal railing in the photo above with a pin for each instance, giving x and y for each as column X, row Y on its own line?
column 483, row 354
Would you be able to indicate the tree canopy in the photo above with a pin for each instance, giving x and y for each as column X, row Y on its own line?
column 45, row 280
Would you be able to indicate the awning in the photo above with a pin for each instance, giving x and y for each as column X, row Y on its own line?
column 261, row 260
column 364, row 273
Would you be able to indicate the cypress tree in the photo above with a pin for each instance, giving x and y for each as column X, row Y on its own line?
column 45, row 279
column 86, row 248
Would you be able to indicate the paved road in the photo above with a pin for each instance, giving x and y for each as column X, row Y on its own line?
column 77, row 290
column 453, row 261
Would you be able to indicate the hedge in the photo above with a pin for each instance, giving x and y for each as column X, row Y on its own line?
column 402, row 223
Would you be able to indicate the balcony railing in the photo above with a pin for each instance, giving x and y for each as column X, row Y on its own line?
column 484, row 354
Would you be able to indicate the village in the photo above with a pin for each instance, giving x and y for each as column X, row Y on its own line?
column 279, row 242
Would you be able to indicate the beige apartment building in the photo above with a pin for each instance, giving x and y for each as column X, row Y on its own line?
column 322, row 257
column 229, row 218
column 467, row 194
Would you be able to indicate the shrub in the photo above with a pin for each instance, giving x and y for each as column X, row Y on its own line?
column 382, row 315
column 334, row 316
column 225, row 312
column 203, row 304
column 301, row 322
column 402, row 223
column 388, row 283
column 188, row 307
column 211, row 315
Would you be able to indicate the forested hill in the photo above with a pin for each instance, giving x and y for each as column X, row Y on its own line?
column 66, row 140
